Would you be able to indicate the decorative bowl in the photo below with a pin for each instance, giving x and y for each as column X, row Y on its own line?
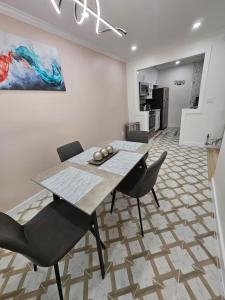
column 97, row 156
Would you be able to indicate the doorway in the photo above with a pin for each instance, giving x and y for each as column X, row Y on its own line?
column 181, row 79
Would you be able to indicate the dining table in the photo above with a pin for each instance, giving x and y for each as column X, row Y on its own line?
column 85, row 185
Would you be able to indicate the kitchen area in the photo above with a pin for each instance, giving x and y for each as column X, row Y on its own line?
column 165, row 90
column 156, row 102
column 153, row 102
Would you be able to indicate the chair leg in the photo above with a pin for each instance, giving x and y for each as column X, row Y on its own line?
column 113, row 200
column 139, row 211
column 58, row 280
column 35, row 268
column 93, row 232
column 98, row 241
column 156, row 200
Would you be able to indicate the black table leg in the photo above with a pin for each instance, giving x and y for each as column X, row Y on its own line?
column 35, row 268
column 98, row 241
column 113, row 200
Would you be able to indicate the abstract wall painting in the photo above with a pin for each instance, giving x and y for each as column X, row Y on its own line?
column 28, row 65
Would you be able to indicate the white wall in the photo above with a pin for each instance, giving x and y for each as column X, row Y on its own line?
column 179, row 95
column 219, row 194
column 209, row 117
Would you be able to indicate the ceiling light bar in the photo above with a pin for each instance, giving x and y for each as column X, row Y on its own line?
column 99, row 18
column 86, row 11
column 56, row 6
column 83, row 14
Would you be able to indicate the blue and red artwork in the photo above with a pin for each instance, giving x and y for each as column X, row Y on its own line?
column 27, row 65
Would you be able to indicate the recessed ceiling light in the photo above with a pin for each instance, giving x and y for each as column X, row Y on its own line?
column 134, row 48
column 196, row 25
column 177, row 62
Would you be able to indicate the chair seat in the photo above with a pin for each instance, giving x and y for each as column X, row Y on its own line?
column 129, row 184
column 54, row 231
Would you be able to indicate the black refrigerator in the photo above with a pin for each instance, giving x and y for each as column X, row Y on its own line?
column 160, row 100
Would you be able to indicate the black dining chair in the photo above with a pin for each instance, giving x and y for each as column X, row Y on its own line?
column 143, row 162
column 49, row 235
column 67, row 151
column 139, row 182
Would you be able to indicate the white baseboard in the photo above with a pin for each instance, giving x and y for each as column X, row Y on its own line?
column 220, row 233
column 195, row 144
column 173, row 125
column 191, row 144
column 29, row 201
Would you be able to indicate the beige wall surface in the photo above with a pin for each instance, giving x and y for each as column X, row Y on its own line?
column 33, row 123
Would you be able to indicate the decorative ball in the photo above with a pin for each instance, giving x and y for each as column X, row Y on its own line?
column 104, row 152
column 97, row 156
column 109, row 148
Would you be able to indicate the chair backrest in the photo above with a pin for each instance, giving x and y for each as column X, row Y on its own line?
column 12, row 235
column 69, row 150
column 148, row 180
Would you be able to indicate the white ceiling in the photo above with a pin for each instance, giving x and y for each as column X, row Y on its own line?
column 183, row 61
column 150, row 23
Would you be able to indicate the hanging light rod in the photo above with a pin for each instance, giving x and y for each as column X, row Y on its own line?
column 119, row 31
column 98, row 17
column 57, row 7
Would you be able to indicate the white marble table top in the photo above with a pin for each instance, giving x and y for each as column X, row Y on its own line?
column 121, row 163
column 124, row 145
column 71, row 184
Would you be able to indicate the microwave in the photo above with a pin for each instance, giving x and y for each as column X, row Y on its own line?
column 143, row 89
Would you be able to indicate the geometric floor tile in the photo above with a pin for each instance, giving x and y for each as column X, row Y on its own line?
column 178, row 258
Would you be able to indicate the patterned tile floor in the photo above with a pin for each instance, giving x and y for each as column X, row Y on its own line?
column 177, row 258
